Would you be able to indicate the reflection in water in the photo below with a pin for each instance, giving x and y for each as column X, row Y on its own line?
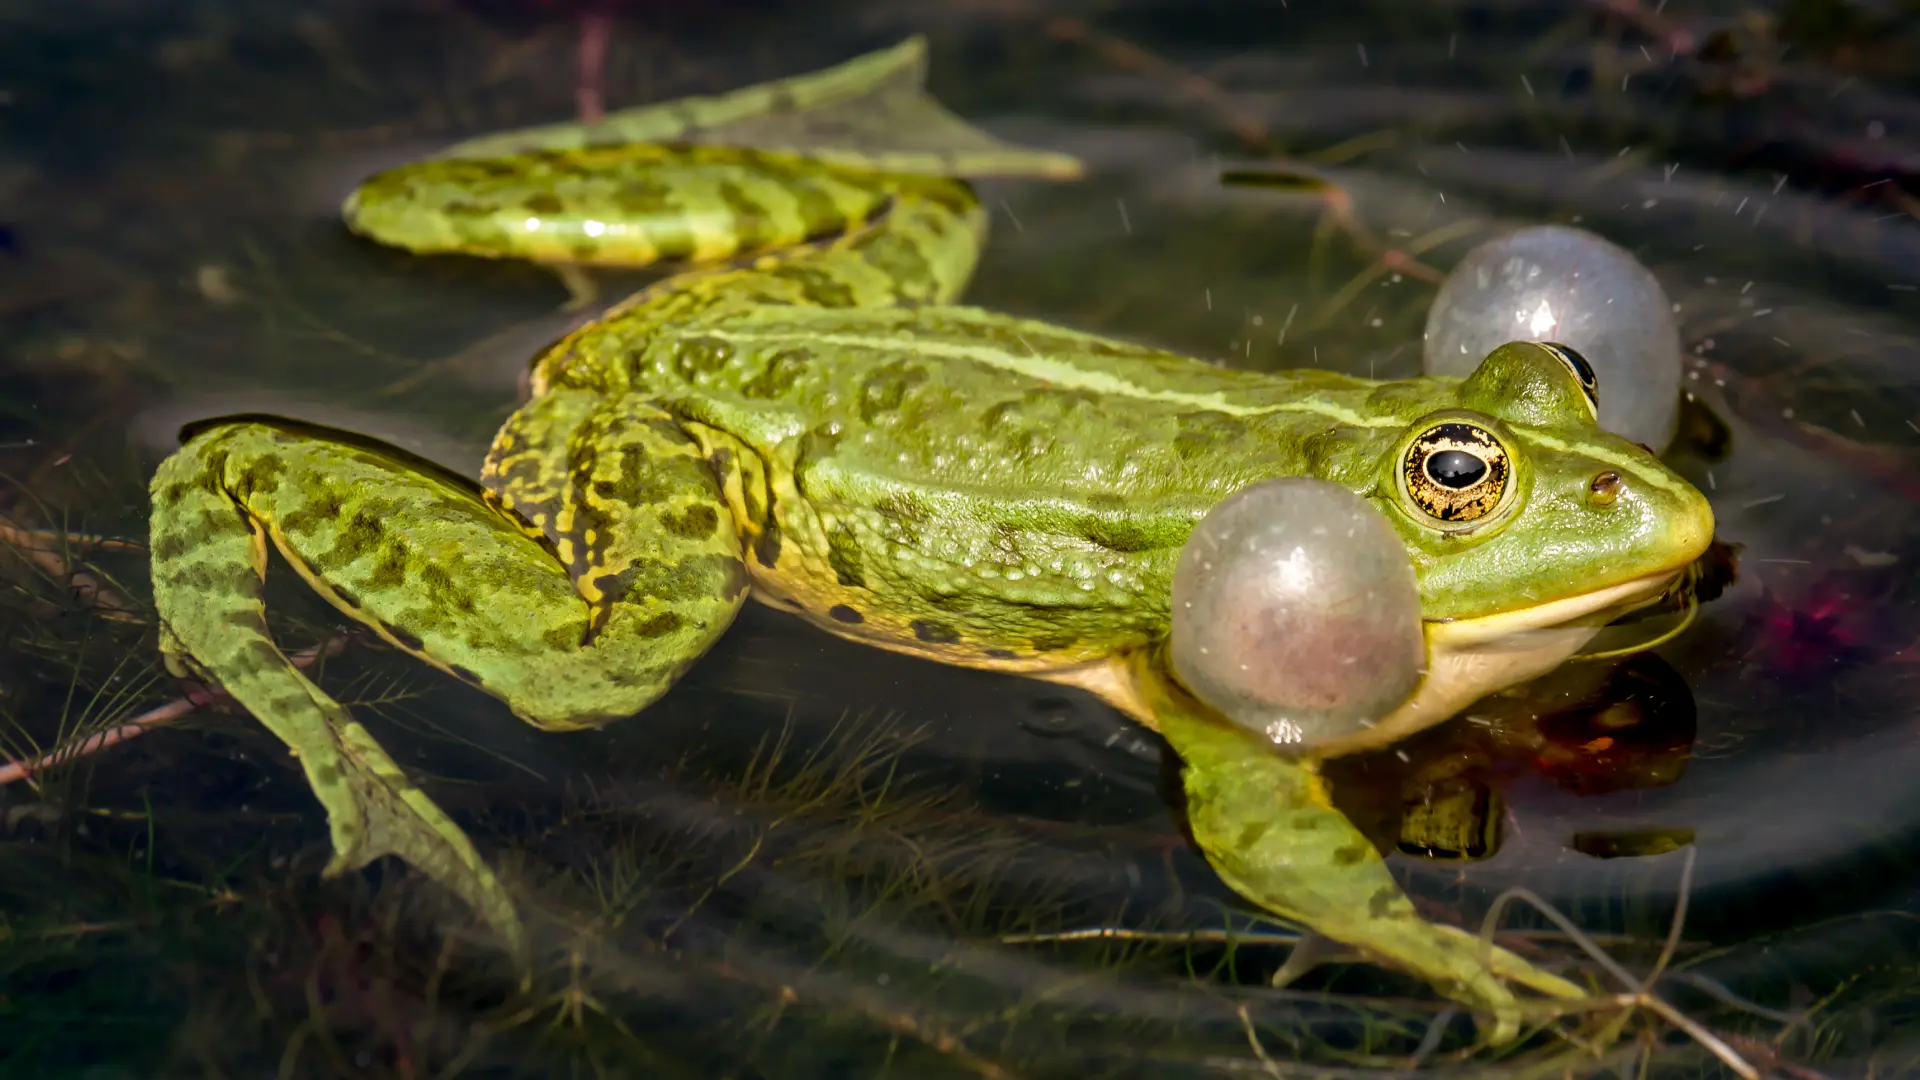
column 1589, row 728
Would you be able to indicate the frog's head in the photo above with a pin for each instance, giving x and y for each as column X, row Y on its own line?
column 1529, row 526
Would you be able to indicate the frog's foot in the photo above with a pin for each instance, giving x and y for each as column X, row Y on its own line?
column 1264, row 823
column 569, row 633
column 1433, row 951
column 1474, row 972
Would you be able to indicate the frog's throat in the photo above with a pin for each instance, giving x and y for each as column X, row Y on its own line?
column 1467, row 659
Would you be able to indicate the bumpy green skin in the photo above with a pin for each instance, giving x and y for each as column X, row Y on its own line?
column 815, row 424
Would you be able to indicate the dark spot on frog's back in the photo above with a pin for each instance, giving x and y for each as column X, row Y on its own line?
column 444, row 589
column 932, row 632
column 1120, row 533
column 749, row 217
column 886, row 389
column 1064, row 401
column 390, row 572
column 364, row 532
column 1001, row 415
column 639, row 198
column 819, row 444
column 178, row 490
column 170, row 546
column 782, row 372
column 1382, row 902
column 821, row 288
column 324, row 508
column 660, row 625
column 263, row 473
column 696, row 357
column 1206, row 432
column 902, row 261
column 542, row 204
column 693, row 523
column 845, row 614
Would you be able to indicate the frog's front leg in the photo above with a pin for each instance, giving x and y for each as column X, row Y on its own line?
column 637, row 573
column 1267, row 828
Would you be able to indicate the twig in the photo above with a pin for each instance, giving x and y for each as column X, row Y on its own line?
column 145, row 722
column 1639, row 992
column 48, row 551
column 1253, row 1040
column 1672, row 943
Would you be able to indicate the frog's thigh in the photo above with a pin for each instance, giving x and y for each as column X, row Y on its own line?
column 635, row 515
column 641, row 575
column 421, row 557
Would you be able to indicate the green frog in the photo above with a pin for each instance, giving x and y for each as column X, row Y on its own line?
column 803, row 415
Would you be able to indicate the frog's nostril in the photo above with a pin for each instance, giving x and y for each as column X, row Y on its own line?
column 1605, row 488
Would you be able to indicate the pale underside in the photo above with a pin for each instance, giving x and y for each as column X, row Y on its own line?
column 1467, row 659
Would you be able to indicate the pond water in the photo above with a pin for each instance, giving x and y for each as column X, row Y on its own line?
column 812, row 859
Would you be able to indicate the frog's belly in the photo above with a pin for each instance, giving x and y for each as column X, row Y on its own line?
column 838, row 611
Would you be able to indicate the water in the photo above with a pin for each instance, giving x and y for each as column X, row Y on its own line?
column 815, row 860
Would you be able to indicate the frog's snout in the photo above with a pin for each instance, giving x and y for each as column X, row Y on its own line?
column 1677, row 519
column 1692, row 531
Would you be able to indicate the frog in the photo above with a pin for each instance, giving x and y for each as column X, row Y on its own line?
column 802, row 413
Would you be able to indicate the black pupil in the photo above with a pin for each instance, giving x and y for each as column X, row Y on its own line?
column 1456, row 469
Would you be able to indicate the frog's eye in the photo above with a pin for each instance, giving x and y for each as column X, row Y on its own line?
column 1456, row 473
column 1582, row 372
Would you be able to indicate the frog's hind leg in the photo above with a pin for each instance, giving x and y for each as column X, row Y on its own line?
column 1269, row 831
column 421, row 557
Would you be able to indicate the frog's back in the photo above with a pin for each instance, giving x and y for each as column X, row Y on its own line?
column 983, row 489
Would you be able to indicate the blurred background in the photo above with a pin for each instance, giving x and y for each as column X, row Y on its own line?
column 813, row 860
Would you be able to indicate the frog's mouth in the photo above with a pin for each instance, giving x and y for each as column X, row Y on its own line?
column 1468, row 659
